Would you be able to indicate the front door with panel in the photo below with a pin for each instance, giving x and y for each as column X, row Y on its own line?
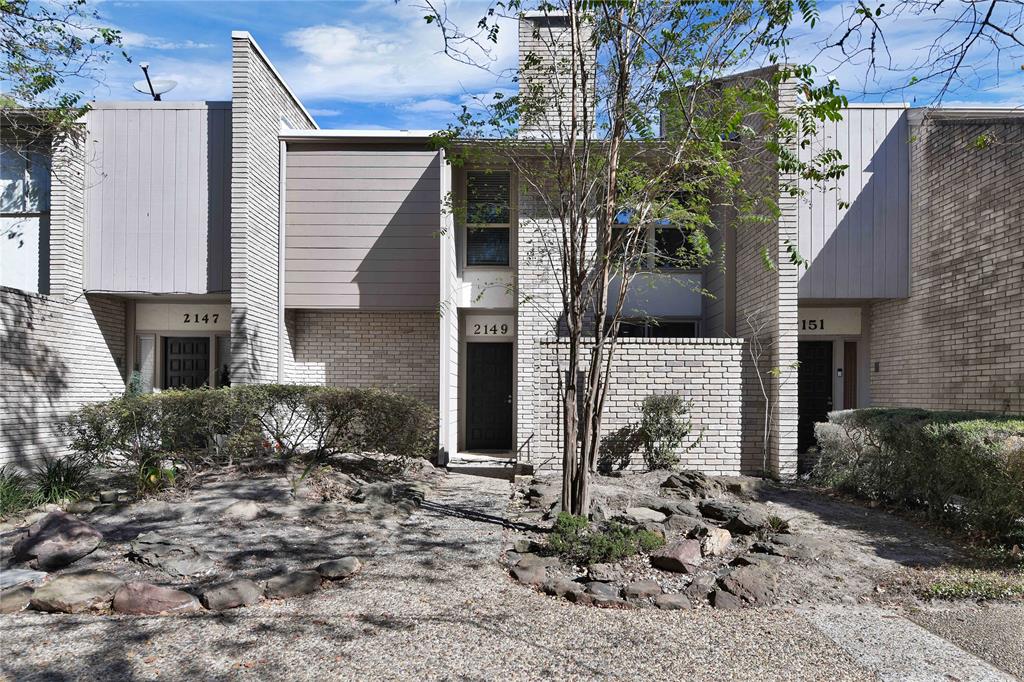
column 815, row 389
column 489, row 396
column 186, row 361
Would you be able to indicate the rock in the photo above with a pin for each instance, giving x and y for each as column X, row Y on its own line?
column 146, row 599
column 529, row 560
column 339, row 568
column 721, row 599
column 680, row 557
column 684, row 524
column 683, row 507
column 720, row 510
column 176, row 559
column 76, row 592
column 18, row 577
column 715, row 541
column 242, row 510
column 561, row 587
column 754, row 585
column 692, row 485
column 642, row 589
column 512, row 558
column 757, row 560
column 15, row 599
column 641, row 515
column 604, row 594
column 82, row 507
column 605, row 573
column 292, row 584
column 581, row 597
column 109, row 496
column 229, row 595
column 798, row 547
column 532, row 574
column 523, row 545
column 389, row 493
column 673, row 602
column 749, row 520
column 54, row 541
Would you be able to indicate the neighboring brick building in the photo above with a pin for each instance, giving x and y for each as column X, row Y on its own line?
column 207, row 243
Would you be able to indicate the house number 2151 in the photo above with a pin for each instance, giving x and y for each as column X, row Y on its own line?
column 205, row 318
column 812, row 325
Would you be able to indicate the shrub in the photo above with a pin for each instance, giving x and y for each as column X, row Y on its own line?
column 664, row 425
column 573, row 539
column 964, row 469
column 59, row 479
column 15, row 494
column 153, row 435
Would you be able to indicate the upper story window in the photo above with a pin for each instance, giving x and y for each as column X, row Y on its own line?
column 656, row 245
column 24, row 217
column 488, row 217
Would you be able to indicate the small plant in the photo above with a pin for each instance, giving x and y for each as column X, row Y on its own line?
column 573, row 539
column 977, row 585
column 664, row 425
column 775, row 524
column 15, row 494
column 58, row 480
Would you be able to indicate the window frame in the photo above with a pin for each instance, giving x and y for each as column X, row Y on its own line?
column 466, row 226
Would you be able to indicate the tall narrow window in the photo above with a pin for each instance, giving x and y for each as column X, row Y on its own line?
column 223, row 374
column 488, row 217
column 25, row 218
column 145, row 360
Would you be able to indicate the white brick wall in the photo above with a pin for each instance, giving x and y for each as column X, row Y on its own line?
column 393, row 350
column 958, row 341
column 708, row 372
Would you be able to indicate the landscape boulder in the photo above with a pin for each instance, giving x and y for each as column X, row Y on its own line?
column 230, row 595
column 15, row 599
column 530, row 574
column 76, row 592
column 679, row 557
column 684, row 524
column 146, row 599
column 642, row 589
column 796, row 547
column 174, row 558
column 640, row 515
column 692, row 485
column 673, row 602
column 604, row 594
column 605, row 573
column 19, row 577
column 339, row 569
column 563, row 587
column 292, row 584
column 722, row 599
column 242, row 510
column 755, row 585
column 714, row 541
column 55, row 541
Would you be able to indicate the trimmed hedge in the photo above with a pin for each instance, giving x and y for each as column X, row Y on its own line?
column 219, row 426
column 965, row 469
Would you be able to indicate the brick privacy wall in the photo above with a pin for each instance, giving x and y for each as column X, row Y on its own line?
column 958, row 341
column 709, row 372
column 258, row 101
column 61, row 351
column 393, row 350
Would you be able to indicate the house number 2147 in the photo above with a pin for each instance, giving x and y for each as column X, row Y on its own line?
column 205, row 318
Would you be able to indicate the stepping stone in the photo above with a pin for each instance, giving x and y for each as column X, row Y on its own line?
column 76, row 592
column 292, row 584
column 173, row 558
column 146, row 599
column 55, row 541
column 230, row 595
column 339, row 568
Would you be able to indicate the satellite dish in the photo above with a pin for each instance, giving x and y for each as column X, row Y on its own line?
column 155, row 86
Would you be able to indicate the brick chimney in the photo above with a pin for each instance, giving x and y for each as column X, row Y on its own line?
column 545, row 67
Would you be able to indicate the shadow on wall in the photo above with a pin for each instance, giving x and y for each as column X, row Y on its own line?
column 245, row 361
column 218, row 205
column 33, row 379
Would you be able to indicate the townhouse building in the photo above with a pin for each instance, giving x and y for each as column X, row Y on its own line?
column 215, row 243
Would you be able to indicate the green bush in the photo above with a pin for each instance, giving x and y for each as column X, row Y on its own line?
column 151, row 435
column 964, row 469
column 15, row 493
column 664, row 425
column 59, row 480
column 573, row 539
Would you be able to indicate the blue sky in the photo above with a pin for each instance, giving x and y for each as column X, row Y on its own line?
column 377, row 64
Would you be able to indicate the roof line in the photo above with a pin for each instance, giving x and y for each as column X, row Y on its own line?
column 245, row 35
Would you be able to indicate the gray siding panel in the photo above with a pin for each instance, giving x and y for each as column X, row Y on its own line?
column 362, row 224
column 860, row 251
column 158, row 198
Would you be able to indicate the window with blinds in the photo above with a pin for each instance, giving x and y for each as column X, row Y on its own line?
column 488, row 217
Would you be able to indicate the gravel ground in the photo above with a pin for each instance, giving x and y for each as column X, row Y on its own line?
column 432, row 603
column 994, row 632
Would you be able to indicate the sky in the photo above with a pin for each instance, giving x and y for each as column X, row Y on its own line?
column 377, row 64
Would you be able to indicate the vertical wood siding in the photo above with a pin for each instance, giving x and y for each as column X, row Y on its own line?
column 860, row 251
column 157, row 198
column 362, row 227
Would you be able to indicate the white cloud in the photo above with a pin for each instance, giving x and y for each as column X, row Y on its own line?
column 393, row 55
column 325, row 112
column 138, row 40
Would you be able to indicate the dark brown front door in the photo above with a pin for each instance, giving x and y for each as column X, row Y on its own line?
column 489, row 396
column 814, row 387
column 186, row 361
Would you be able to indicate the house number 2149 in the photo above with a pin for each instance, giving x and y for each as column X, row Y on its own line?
column 490, row 330
column 205, row 318
column 812, row 325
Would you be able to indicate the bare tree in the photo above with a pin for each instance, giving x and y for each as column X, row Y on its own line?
column 628, row 132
